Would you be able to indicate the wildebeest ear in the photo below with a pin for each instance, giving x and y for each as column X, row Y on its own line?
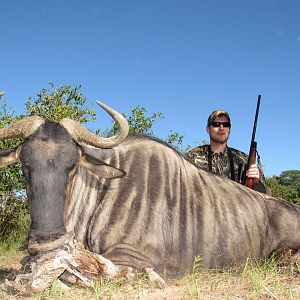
column 99, row 168
column 8, row 157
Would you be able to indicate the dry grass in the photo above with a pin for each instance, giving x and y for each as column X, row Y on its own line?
column 274, row 279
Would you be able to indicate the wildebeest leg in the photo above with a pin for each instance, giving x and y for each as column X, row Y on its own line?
column 132, row 263
column 126, row 255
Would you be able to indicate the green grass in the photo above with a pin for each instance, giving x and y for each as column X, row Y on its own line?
column 273, row 279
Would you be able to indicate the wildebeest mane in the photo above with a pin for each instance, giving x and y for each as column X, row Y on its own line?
column 182, row 156
column 134, row 136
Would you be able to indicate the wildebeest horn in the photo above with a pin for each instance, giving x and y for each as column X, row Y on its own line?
column 81, row 134
column 23, row 128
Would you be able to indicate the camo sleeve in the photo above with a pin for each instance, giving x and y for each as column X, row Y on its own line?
column 199, row 156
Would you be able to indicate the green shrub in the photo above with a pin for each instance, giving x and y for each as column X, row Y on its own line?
column 14, row 218
column 286, row 185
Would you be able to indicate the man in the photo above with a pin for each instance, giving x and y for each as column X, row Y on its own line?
column 218, row 158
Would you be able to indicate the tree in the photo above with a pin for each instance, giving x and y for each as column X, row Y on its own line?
column 14, row 215
column 55, row 104
column 140, row 123
column 286, row 185
column 11, row 177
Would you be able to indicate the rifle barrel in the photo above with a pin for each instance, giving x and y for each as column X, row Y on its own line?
column 255, row 120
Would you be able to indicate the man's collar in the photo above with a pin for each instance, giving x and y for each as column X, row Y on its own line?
column 221, row 152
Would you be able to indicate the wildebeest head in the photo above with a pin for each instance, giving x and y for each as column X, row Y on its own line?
column 50, row 156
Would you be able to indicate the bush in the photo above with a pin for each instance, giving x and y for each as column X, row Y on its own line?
column 286, row 185
column 14, row 218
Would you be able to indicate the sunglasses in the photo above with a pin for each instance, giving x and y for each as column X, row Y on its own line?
column 218, row 124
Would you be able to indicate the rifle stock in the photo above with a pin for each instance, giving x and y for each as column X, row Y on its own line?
column 251, row 161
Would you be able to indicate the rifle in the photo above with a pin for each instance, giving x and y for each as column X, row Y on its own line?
column 248, row 182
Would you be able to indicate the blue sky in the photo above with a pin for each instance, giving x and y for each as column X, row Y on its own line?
column 181, row 58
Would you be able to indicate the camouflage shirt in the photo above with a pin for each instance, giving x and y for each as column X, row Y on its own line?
column 227, row 163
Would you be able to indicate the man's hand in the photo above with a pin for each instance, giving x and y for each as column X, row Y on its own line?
column 254, row 173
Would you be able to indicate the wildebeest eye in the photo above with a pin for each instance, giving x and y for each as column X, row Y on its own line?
column 71, row 168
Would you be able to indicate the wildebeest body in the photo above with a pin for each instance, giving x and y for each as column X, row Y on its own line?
column 140, row 203
column 166, row 211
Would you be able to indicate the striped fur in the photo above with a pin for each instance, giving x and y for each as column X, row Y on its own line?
column 166, row 211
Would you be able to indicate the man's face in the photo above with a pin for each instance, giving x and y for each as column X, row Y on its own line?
column 219, row 134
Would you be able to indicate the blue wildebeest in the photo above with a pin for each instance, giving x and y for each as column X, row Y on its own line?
column 139, row 202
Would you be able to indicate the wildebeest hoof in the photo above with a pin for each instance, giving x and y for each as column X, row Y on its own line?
column 132, row 275
column 155, row 278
